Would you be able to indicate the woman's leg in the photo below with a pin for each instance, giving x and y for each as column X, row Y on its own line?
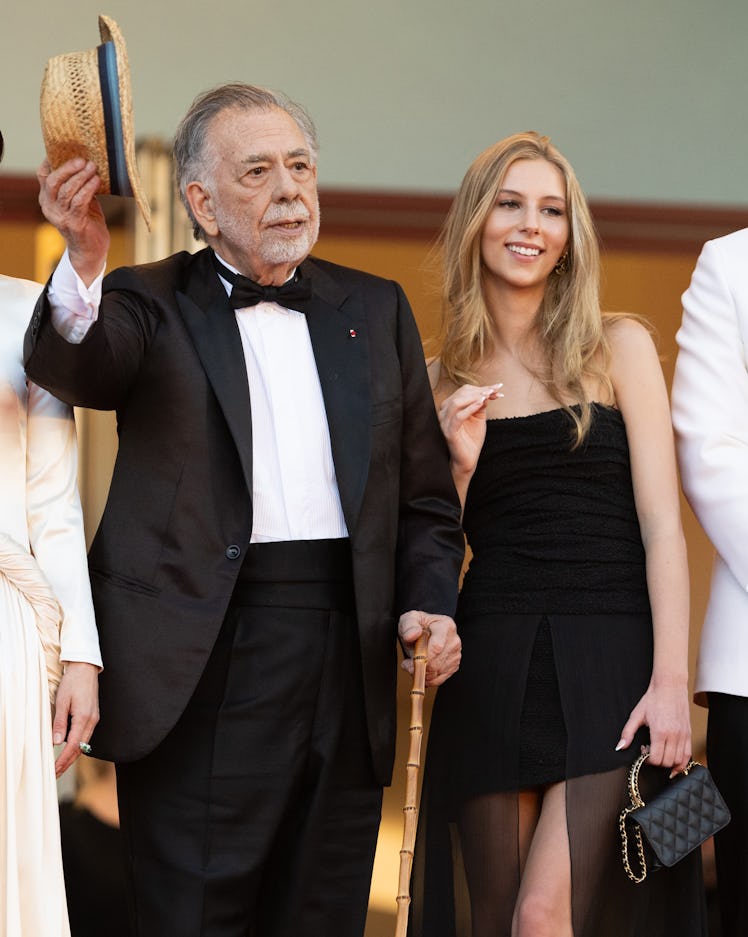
column 544, row 901
column 540, row 862
column 491, row 832
column 502, row 839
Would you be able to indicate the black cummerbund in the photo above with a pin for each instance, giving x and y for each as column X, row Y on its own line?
column 297, row 574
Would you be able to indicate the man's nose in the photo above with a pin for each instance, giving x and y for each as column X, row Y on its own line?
column 286, row 186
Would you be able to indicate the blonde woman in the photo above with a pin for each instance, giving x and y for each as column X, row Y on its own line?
column 574, row 610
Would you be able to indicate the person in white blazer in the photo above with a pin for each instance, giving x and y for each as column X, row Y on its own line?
column 49, row 648
column 710, row 416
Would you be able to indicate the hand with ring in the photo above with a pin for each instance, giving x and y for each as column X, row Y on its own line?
column 76, row 713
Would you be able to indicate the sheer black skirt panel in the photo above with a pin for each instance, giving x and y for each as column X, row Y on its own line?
column 569, row 683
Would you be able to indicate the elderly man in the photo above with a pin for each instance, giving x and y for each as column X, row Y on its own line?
column 281, row 497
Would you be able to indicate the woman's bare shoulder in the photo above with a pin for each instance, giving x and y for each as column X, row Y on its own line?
column 626, row 331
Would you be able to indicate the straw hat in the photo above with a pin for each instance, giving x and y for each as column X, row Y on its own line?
column 86, row 110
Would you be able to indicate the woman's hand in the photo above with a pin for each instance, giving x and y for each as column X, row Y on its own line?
column 76, row 712
column 462, row 417
column 664, row 708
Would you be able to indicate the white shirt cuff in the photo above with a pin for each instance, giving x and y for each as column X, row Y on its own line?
column 74, row 306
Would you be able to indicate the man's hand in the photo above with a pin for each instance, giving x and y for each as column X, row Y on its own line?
column 67, row 196
column 76, row 711
column 444, row 647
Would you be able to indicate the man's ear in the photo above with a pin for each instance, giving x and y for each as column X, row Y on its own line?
column 201, row 203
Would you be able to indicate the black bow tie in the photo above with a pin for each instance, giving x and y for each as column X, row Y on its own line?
column 245, row 292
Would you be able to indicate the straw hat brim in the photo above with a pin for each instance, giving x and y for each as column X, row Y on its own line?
column 86, row 110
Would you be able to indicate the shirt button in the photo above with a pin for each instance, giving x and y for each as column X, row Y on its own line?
column 233, row 552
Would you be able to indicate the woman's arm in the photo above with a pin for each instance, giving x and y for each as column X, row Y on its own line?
column 641, row 396
column 55, row 525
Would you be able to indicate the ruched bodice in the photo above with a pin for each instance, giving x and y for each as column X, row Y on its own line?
column 554, row 529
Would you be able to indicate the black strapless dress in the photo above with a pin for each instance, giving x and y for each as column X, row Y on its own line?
column 557, row 650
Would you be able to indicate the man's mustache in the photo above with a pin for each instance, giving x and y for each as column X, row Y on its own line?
column 293, row 211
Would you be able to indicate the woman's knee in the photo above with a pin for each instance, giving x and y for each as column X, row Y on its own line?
column 536, row 915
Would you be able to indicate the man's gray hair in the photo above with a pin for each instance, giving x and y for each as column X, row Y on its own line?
column 190, row 157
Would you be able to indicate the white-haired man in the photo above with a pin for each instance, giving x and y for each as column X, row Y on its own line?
column 281, row 498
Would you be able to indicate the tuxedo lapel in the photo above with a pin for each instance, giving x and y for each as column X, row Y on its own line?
column 337, row 328
column 211, row 323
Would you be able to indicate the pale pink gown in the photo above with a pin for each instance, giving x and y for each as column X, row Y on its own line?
column 45, row 615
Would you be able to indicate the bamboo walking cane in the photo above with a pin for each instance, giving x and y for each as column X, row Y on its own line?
column 410, row 810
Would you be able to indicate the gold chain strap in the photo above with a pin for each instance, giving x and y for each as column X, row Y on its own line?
column 636, row 802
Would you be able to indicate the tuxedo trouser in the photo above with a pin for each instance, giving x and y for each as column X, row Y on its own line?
column 727, row 758
column 258, row 814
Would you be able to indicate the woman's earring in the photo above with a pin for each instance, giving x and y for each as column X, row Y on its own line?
column 562, row 264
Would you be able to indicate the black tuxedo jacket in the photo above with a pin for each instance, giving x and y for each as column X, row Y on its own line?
column 165, row 352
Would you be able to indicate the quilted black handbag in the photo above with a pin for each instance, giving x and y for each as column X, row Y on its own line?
column 687, row 811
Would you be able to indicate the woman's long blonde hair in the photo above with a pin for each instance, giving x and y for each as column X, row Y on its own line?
column 570, row 323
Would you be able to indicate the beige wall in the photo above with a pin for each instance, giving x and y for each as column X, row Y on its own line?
column 18, row 249
column 646, row 98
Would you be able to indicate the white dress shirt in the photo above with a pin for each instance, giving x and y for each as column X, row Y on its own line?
column 294, row 489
